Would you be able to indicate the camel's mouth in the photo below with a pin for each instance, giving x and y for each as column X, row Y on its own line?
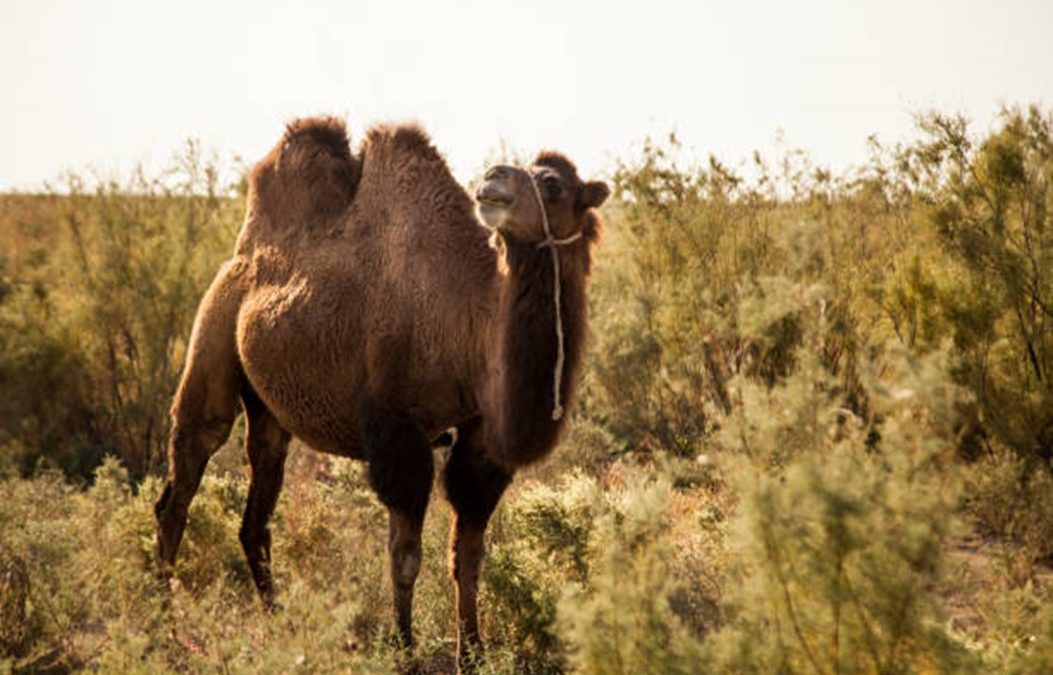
column 494, row 203
column 493, row 195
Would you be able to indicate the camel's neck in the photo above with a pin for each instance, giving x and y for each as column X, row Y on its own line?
column 521, row 398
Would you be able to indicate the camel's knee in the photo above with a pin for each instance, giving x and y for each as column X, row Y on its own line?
column 404, row 546
column 467, row 550
column 254, row 538
column 406, row 564
column 187, row 459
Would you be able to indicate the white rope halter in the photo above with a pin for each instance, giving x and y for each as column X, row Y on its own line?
column 552, row 244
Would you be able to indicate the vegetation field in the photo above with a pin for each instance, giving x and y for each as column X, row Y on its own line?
column 814, row 435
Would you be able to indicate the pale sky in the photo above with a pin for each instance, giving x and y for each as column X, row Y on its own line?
column 108, row 83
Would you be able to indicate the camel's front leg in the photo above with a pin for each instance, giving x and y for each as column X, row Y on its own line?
column 405, row 549
column 401, row 472
column 467, row 550
column 473, row 485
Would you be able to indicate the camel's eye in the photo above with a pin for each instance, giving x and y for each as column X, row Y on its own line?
column 553, row 188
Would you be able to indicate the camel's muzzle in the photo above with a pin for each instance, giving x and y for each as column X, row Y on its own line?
column 494, row 193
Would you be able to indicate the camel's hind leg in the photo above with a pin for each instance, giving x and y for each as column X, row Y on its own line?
column 204, row 408
column 401, row 470
column 266, row 443
column 191, row 446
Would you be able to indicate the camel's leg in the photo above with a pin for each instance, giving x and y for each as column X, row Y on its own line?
column 473, row 486
column 401, row 472
column 191, row 446
column 203, row 411
column 266, row 442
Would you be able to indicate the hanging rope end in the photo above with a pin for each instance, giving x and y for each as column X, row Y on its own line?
column 557, row 413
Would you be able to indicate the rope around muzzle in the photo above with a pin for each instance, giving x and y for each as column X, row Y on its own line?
column 553, row 244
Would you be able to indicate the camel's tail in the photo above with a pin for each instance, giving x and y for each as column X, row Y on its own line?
column 309, row 177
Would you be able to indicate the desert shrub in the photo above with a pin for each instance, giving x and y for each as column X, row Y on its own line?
column 1036, row 653
column 93, row 323
column 556, row 522
column 538, row 545
column 46, row 412
column 664, row 288
column 14, row 598
column 140, row 257
column 621, row 619
column 1014, row 626
column 691, row 286
column 842, row 522
column 988, row 203
column 519, row 597
column 114, row 568
column 1009, row 496
column 92, row 600
column 210, row 552
column 948, row 236
column 980, row 274
column 594, row 563
column 37, row 528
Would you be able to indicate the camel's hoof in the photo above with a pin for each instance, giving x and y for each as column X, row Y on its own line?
column 273, row 607
column 470, row 660
column 401, row 643
column 166, row 585
column 410, row 665
column 407, row 663
column 469, row 666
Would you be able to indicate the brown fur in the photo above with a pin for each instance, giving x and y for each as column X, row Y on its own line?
column 365, row 312
column 305, row 181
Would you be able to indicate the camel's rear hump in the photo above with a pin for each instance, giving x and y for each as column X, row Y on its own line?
column 308, row 179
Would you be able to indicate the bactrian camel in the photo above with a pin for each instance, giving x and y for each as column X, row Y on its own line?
column 366, row 311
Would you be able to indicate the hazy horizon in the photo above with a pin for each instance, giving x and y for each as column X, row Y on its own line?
column 114, row 83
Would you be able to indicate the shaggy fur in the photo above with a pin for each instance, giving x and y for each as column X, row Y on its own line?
column 366, row 313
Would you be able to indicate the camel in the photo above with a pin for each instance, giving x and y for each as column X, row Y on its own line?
column 367, row 311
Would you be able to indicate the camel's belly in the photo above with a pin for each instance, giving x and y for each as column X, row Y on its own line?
column 313, row 368
column 290, row 358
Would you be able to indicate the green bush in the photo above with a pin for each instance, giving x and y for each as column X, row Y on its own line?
column 93, row 323
column 1010, row 496
column 621, row 620
column 988, row 204
column 840, row 538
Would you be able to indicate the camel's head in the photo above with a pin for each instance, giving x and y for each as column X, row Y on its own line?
column 509, row 199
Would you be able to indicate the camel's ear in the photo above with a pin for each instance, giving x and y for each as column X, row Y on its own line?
column 593, row 194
